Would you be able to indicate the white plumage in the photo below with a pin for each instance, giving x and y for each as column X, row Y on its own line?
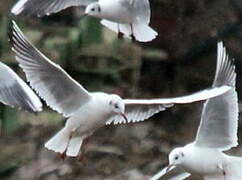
column 15, row 92
column 128, row 17
column 86, row 111
column 217, row 132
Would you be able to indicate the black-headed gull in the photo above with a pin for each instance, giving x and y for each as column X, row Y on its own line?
column 128, row 17
column 217, row 133
column 86, row 111
column 15, row 92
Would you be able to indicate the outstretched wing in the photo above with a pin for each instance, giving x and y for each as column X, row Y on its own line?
column 138, row 110
column 53, row 84
column 175, row 173
column 45, row 7
column 15, row 93
column 219, row 121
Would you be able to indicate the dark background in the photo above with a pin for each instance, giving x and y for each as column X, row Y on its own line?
column 181, row 60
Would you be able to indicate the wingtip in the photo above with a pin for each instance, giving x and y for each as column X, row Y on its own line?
column 225, row 71
column 18, row 7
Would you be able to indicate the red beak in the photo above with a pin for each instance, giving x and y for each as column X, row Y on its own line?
column 125, row 117
column 169, row 167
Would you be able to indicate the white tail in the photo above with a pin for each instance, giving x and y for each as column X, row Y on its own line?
column 74, row 146
column 142, row 32
column 124, row 28
column 59, row 142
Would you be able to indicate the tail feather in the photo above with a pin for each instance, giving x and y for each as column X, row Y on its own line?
column 225, row 71
column 74, row 146
column 59, row 142
column 124, row 28
column 143, row 32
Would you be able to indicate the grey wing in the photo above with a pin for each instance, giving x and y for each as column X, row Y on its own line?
column 53, row 84
column 142, row 11
column 15, row 93
column 219, row 121
column 45, row 7
column 174, row 173
column 141, row 109
column 138, row 110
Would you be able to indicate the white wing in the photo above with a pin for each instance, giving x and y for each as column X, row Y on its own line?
column 141, row 109
column 54, row 85
column 219, row 121
column 138, row 110
column 14, row 92
column 45, row 7
column 174, row 173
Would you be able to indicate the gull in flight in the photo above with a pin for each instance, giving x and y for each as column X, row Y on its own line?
column 15, row 92
column 217, row 133
column 130, row 18
column 86, row 111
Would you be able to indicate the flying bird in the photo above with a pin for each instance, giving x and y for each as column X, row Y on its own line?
column 86, row 111
column 217, row 133
column 130, row 18
column 15, row 92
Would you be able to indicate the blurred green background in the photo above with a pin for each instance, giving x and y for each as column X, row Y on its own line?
column 181, row 60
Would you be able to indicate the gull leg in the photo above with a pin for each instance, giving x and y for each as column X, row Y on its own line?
column 132, row 33
column 223, row 172
column 120, row 34
column 81, row 157
column 63, row 155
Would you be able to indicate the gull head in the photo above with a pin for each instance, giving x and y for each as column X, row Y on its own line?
column 93, row 9
column 176, row 157
column 117, row 106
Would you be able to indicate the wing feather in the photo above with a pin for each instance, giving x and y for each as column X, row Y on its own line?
column 219, row 120
column 45, row 7
column 138, row 110
column 15, row 93
column 174, row 173
column 53, row 84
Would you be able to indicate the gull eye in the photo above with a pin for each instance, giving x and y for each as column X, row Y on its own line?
column 116, row 106
column 92, row 9
column 176, row 157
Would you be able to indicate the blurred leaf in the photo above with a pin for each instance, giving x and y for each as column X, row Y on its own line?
column 93, row 31
column 10, row 119
column 8, row 168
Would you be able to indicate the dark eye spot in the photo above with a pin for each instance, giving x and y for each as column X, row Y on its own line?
column 116, row 106
column 176, row 157
column 92, row 9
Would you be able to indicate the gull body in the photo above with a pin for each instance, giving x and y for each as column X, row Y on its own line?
column 130, row 18
column 118, row 14
column 217, row 133
column 86, row 111
column 81, row 124
column 201, row 160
